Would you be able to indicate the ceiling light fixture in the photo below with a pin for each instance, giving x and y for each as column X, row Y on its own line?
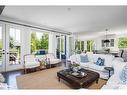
column 106, row 40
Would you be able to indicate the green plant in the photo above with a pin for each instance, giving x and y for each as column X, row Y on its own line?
column 37, row 44
column 75, row 64
column 90, row 45
column 122, row 42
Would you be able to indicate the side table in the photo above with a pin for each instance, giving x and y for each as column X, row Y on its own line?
column 109, row 69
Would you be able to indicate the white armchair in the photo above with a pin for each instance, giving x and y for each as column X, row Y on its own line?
column 30, row 62
column 52, row 60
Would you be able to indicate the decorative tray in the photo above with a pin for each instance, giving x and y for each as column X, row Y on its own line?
column 78, row 75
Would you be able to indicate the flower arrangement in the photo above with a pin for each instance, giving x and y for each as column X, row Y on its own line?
column 75, row 64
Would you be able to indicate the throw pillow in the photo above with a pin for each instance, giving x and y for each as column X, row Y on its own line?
column 100, row 62
column 84, row 58
column 123, row 75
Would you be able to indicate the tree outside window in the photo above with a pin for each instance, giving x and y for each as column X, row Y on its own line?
column 40, row 42
column 90, row 45
column 122, row 42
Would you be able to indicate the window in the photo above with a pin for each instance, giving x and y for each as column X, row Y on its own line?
column 90, row 45
column 82, row 45
column 39, row 41
column 122, row 42
column 77, row 45
column 110, row 44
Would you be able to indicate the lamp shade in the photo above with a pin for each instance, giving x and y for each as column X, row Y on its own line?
column 106, row 41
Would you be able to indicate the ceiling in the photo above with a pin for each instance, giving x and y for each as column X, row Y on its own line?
column 75, row 19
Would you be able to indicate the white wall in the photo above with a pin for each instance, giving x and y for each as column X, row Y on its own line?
column 52, row 43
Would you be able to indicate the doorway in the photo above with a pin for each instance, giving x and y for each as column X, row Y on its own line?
column 10, row 47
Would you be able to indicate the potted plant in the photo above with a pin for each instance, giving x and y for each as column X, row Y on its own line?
column 75, row 66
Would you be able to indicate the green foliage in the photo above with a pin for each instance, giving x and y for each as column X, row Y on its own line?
column 77, row 45
column 37, row 44
column 90, row 45
column 1, row 46
column 11, row 43
column 122, row 42
column 75, row 65
column 62, row 45
column 82, row 45
column 43, row 44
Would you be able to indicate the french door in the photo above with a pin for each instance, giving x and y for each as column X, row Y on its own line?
column 10, row 47
column 61, row 46
column 2, row 48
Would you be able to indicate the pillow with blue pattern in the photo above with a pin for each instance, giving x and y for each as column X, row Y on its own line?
column 123, row 75
column 100, row 62
column 84, row 58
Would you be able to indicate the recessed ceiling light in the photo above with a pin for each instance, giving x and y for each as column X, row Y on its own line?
column 68, row 9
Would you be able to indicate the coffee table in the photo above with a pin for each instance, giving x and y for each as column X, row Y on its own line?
column 77, row 82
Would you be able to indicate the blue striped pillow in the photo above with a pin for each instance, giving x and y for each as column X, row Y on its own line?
column 123, row 75
column 84, row 58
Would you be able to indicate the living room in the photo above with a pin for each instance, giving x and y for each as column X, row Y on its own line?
column 77, row 38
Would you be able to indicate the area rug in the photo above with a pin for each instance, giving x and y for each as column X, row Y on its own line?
column 47, row 79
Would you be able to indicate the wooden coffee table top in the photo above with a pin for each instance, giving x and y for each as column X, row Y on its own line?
column 76, row 82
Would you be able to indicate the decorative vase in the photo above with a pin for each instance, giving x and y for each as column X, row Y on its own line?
column 75, row 69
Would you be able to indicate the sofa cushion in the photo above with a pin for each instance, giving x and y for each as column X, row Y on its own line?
column 32, row 64
column 108, row 58
column 96, row 67
column 85, row 65
column 118, row 59
column 75, row 58
column 84, row 58
column 113, row 80
column 55, row 61
column 100, row 62
column 118, row 66
column 121, row 86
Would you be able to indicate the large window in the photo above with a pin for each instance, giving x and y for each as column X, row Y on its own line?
column 90, row 45
column 122, row 42
column 39, row 42
column 79, row 45
column 82, row 45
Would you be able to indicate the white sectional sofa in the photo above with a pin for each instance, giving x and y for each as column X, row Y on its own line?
column 91, row 64
column 114, row 81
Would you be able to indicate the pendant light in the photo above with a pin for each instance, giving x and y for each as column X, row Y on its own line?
column 106, row 40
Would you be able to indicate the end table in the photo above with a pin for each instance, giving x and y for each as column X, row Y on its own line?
column 109, row 69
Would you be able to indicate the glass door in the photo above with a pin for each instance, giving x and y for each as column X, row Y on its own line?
column 63, row 47
column 13, row 48
column 58, row 47
column 2, row 48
